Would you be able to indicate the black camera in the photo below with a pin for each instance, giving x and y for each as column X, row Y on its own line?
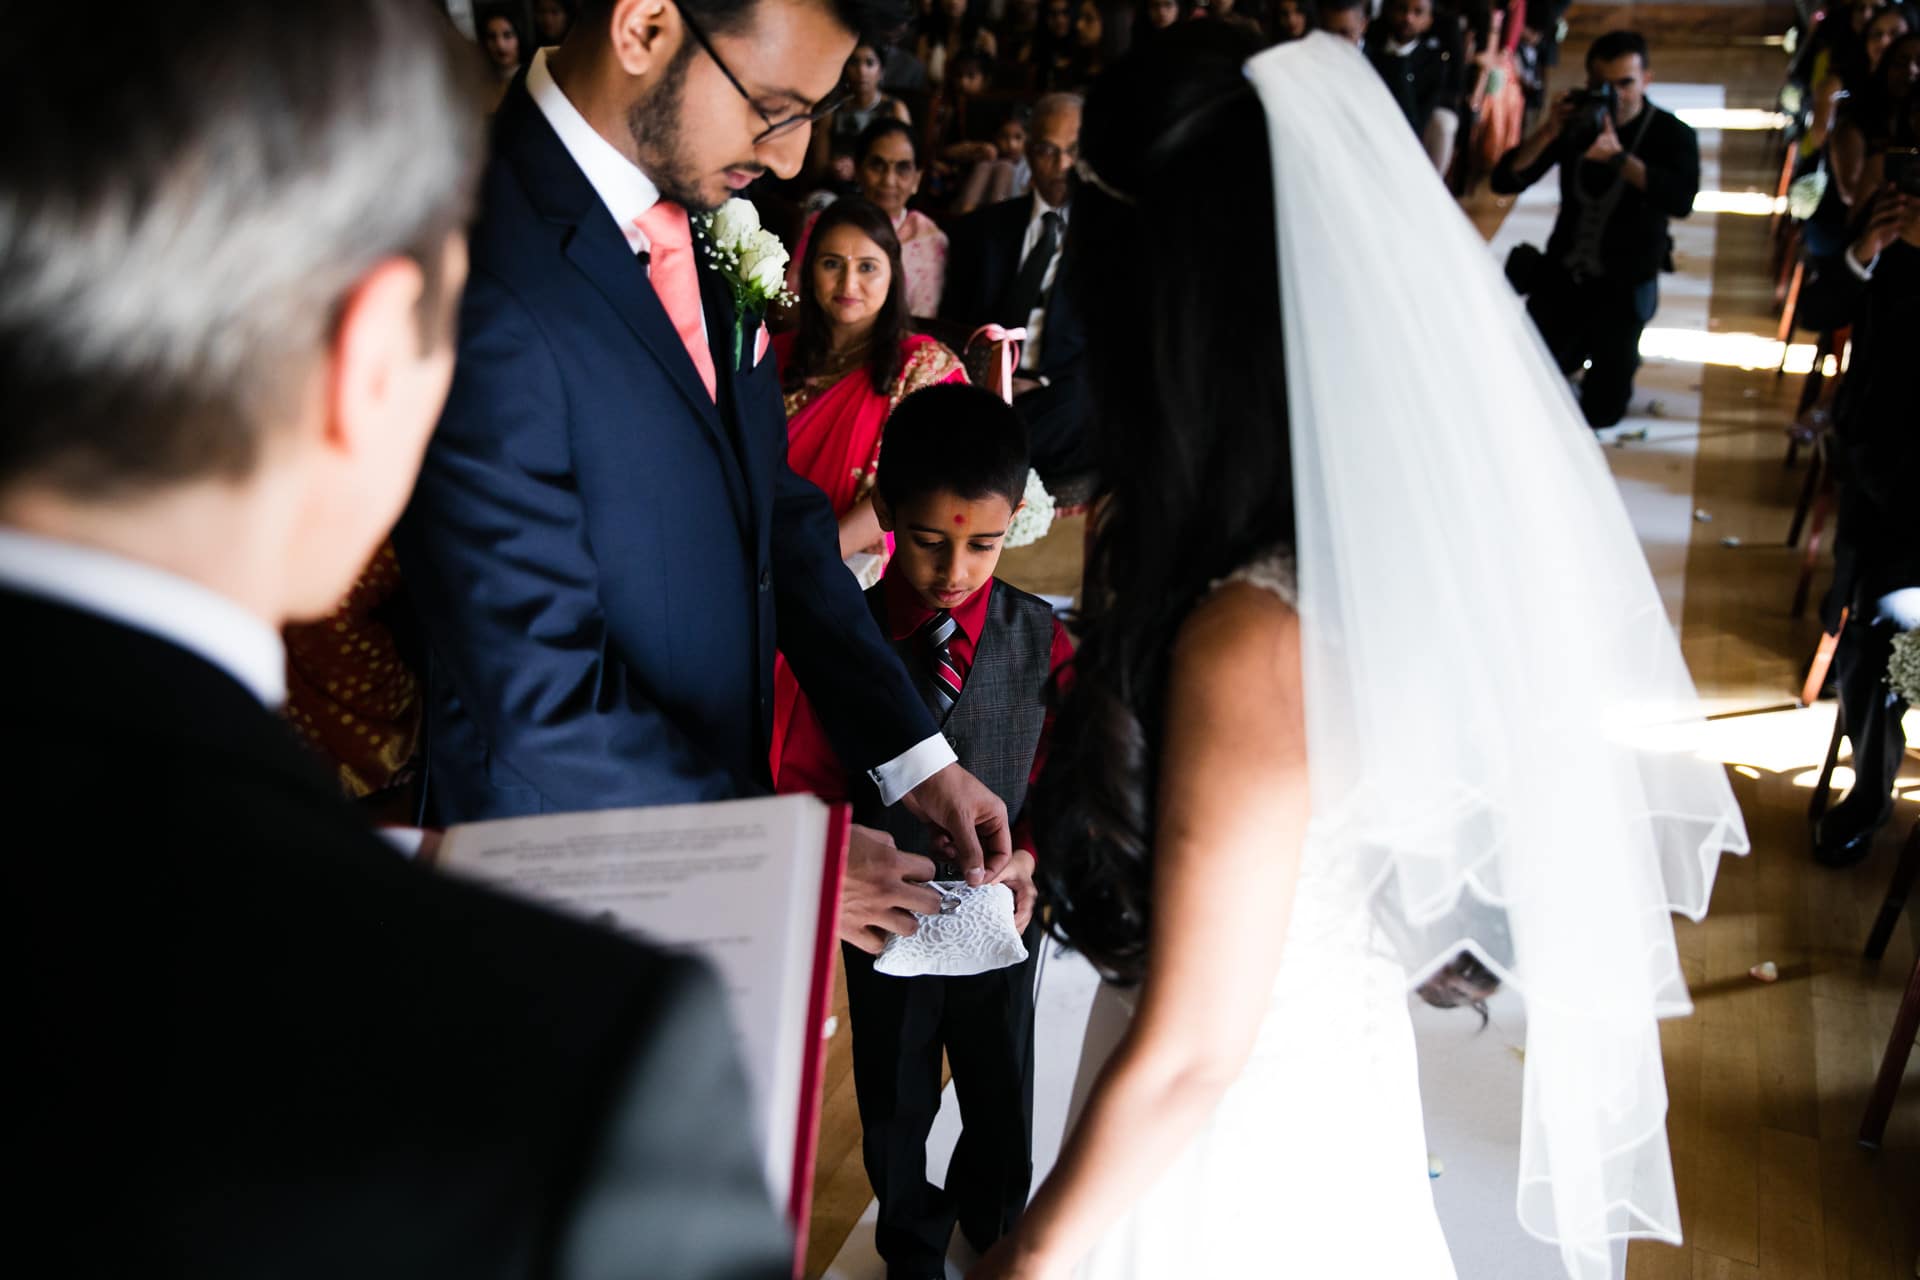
column 1592, row 108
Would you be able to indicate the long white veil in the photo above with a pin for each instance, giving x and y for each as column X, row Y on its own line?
column 1498, row 715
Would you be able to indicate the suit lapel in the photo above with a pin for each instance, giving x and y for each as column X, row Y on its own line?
column 716, row 296
column 598, row 250
column 611, row 268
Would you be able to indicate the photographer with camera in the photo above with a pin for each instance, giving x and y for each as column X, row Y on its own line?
column 1626, row 167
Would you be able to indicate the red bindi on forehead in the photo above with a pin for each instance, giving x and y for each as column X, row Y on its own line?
column 960, row 519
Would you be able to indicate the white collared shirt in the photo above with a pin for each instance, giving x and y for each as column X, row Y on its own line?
column 627, row 193
column 1037, row 319
column 624, row 189
column 163, row 604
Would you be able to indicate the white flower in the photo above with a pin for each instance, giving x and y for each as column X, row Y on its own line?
column 732, row 223
column 1903, row 667
column 1035, row 518
column 763, row 262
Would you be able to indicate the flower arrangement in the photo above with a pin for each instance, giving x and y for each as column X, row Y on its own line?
column 1035, row 517
column 1903, row 667
column 751, row 260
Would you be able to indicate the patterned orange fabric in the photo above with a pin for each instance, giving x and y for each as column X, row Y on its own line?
column 349, row 691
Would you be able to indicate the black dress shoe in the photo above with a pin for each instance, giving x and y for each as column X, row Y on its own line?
column 1840, row 846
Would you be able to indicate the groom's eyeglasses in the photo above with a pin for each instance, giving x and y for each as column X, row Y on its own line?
column 775, row 128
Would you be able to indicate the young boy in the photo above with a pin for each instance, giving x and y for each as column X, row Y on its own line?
column 953, row 468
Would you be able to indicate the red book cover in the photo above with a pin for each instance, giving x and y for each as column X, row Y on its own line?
column 819, row 1009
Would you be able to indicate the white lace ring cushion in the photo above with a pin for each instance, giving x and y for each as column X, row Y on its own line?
column 977, row 936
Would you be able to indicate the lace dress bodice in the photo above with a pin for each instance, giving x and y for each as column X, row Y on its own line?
column 1271, row 572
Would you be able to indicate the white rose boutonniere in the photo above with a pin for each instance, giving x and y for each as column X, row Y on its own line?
column 733, row 222
column 751, row 260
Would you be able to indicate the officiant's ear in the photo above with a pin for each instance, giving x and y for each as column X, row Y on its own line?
column 882, row 512
column 388, row 366
column 645, row 34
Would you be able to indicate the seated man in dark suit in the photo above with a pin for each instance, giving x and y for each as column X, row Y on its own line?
column 257, row 1040
column 1004, row 266
column 1421, row 65
column 1875, row 289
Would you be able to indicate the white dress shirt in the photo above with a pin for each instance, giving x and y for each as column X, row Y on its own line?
column 1037, row 320
column 623, row 188
column 162, row 604
column 627, row 193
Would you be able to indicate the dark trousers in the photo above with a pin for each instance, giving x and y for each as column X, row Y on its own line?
column 1597, row 320
column 1056, row 418
column 900, row 1025
column 1872, row 709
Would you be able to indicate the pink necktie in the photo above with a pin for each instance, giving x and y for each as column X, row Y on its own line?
column 671, row 269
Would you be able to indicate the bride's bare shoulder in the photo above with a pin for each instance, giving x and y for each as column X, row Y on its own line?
column 1240, row 642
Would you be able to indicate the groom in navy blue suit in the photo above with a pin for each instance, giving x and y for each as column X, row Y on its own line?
column 607, row 543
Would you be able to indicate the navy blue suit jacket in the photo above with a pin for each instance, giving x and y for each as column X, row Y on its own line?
column 983, row 258
column 600, row 555
column 983, row 261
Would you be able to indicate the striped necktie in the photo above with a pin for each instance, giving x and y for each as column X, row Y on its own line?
column 939, row 631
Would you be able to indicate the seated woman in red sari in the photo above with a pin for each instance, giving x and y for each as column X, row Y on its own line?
column 849, row 363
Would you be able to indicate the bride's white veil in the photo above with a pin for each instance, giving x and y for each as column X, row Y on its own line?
column 1498, row 715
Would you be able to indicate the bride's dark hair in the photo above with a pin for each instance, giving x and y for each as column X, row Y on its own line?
column 1176, row 275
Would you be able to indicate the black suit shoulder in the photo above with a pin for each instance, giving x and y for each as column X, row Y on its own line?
column 996, row 230
column 296, row 1052
column 1669, row 135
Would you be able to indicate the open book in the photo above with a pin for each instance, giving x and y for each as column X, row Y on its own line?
column 753, row 886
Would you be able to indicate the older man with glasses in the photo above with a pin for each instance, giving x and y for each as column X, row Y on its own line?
column 606, row 536
column 1005, row 266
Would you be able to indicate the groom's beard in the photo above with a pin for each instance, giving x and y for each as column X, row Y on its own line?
column 655, row 122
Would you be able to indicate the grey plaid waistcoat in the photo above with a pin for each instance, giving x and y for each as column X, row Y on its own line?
column 995, row 726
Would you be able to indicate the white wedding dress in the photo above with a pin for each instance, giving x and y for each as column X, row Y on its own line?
column 1505, row 750
column 1315, row 1164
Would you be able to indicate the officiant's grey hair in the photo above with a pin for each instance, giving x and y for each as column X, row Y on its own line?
column 189, row 192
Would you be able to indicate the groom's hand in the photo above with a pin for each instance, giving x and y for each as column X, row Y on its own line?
column 883, row 890
column 969, row 822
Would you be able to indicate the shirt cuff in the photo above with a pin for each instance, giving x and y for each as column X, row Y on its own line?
column 906, row 771
column 1863, row 270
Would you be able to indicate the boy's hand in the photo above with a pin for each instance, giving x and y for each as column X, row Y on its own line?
column 1017, row 875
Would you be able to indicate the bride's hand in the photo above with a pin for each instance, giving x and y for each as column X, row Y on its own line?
column 1009, row 1261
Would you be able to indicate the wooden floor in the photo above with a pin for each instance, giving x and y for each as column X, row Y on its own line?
column 1767, row 1083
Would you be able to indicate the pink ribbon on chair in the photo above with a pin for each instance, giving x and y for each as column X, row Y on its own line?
column 1008, row 340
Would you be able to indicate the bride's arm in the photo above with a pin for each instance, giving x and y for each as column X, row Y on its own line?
column 1232, row 819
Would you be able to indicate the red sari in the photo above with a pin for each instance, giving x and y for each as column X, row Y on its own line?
column 833, row 439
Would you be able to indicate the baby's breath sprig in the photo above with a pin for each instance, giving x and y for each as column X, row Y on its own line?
column 751, row 260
